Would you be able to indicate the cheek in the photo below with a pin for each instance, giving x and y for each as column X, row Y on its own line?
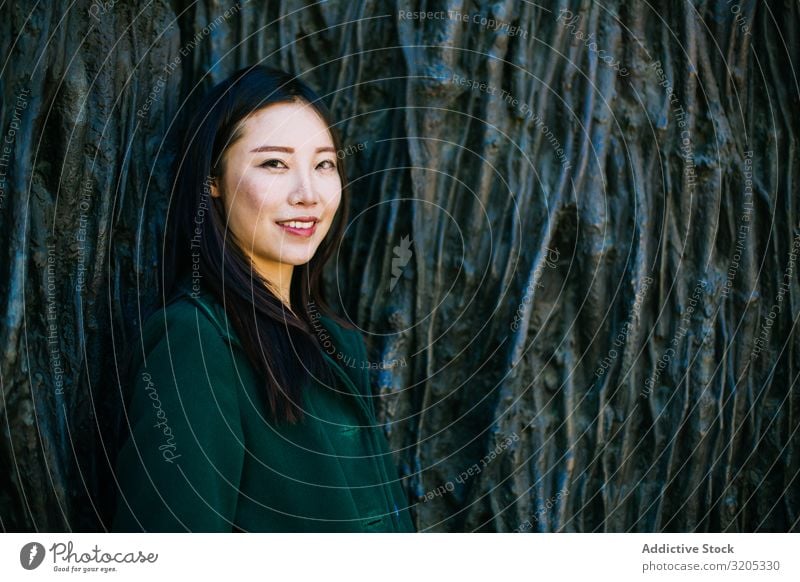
column 332, row 200
column 254, row 202
column 251, row 209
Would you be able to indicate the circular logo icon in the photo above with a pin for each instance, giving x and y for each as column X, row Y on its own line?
column 31, row 555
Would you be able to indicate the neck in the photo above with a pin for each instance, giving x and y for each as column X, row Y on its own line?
column 279, row 278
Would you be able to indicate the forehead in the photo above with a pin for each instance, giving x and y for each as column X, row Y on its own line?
column 286, row 124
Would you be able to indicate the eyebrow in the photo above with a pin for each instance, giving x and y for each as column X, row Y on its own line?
column 287, row 150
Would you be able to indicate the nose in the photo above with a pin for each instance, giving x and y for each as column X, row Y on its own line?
column 304, row 192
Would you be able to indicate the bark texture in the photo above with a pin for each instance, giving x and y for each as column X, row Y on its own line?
column 573, row 245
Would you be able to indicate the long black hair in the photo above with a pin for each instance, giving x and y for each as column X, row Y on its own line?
column 281, row 346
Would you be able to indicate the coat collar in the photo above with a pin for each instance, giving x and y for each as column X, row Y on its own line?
column 346, row 369
column 345, row 343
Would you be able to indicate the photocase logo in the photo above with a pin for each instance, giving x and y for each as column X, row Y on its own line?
column 31, row 555
column 402, row 254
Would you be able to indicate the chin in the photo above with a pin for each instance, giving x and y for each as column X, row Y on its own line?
column 297, row 260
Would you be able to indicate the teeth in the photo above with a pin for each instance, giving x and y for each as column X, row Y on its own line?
column 295, row 224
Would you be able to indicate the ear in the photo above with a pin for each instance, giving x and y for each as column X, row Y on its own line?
column 214, row 187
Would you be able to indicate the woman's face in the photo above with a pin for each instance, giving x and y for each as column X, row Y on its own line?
column 280, row 186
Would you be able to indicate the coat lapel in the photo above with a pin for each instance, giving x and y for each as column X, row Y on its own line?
column 349, row 374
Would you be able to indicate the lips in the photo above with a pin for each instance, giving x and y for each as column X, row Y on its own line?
column 303, row 226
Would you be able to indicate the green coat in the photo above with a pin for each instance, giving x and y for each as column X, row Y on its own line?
column 204, row 456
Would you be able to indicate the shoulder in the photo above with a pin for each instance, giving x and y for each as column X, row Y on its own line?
column 348, row 337
column 188, row 362
column 193, row 309
column 184, row 339
column 187, row 337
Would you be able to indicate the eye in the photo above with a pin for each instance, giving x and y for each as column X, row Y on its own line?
column 274, row 163
column 331, row 164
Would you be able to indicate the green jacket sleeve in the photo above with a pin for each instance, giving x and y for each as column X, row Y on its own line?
column 181, row 466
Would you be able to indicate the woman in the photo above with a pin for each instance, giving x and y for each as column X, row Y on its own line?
column 250, row 407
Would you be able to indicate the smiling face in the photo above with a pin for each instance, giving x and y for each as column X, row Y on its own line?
column 280, row 188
